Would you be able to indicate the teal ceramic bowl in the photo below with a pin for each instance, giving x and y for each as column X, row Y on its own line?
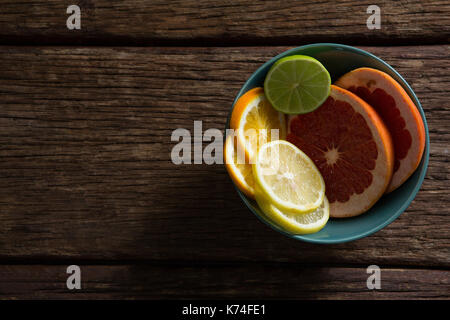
column 339, row 59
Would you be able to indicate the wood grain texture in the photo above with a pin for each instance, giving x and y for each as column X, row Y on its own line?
column 86, row 170
column 219, row 282
column 216, row 22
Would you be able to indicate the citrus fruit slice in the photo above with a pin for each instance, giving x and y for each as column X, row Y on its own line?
column 352, row 148
column 295, row 223
column 397, row 111
column 239, row 171
column 254, row 120
column 288, row 178
column 297, row 84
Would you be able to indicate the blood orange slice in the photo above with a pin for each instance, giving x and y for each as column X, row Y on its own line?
column 397, row 111
column 350, row 146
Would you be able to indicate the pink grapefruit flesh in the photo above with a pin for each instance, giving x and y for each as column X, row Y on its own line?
column 397, row 111
column 351, row 147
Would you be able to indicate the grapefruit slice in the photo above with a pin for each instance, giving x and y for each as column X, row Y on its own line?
column 397, row 111
column 350, row 146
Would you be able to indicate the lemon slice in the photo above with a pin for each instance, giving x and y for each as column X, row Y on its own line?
column 295, row 223
column 254, row 119
column 239, row 171
column 288, row 178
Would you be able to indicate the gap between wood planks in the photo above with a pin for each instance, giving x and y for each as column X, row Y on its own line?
column 205, row 264
column 210, row 43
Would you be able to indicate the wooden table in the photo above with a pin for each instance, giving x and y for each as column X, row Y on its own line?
column 86, row 178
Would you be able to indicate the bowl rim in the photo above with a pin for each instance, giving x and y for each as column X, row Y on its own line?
column 424, row 161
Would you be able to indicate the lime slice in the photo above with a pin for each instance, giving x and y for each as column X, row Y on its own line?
column 297, row 84
column 291, row 222
column 288, row 178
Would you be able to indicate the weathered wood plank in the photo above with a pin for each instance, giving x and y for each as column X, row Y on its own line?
column 217, row 22
column 212, row 282
column 85, row 168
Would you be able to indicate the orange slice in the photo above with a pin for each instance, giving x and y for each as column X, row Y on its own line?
column 239, row 171
column 397, row 111
column 350, row 146
column 253, row 118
